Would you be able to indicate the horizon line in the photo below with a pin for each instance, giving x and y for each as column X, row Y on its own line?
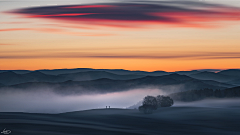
column 208, row 70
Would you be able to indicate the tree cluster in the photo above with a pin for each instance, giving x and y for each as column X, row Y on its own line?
column 151, row 103
column 195, row 95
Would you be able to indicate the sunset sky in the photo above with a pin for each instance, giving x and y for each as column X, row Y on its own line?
column 110, row 34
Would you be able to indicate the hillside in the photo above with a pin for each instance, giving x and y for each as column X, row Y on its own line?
column 195, row 95
column 10, row 78
column 168, row 83
column 230, row 72
column 93, row 75
column 213, row 76
column 164, row 121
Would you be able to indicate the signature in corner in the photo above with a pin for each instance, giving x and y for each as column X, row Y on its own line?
column 6, row 132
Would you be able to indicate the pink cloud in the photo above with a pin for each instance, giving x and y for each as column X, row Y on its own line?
column 91, row 6
column 57, row 31
column 5, row 44
column 14, row 29
column 74, row 54
column 138, row 14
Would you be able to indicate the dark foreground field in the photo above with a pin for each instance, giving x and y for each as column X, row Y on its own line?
column 165, row 121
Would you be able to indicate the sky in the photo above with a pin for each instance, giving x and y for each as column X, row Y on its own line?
column 119, row 34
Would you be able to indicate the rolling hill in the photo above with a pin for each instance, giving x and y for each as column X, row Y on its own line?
column 213, row 76
column 168, row 83
column 10, row 78
column 194, row 95
column 93, row 75
column 235, row 82
column 230, row 72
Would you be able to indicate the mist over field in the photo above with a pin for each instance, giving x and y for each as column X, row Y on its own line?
column 46, row 101
column 73, row 101
column 212, row 103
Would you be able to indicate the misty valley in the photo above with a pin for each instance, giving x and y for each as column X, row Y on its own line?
column 83, row 88
column 104, row 101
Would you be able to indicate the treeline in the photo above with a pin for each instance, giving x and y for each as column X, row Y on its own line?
column 151, row 103
column 194, row 95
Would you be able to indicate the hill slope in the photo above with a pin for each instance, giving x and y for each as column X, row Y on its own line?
column 10, row 78
column 230, row 72
column 195, row 95
column 164, row 121
column 93, row 75
column 213, row 76
column 168, row 83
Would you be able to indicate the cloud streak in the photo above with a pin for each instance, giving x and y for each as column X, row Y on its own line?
column 137, row 14
column 14, row 29
column 186, row 56
column 5, row 44
column 56, row 31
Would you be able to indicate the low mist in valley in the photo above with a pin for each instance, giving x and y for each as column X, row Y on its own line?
column 46, row 101
column 214, row 102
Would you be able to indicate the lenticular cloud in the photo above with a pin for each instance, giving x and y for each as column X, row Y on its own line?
column 137, row 14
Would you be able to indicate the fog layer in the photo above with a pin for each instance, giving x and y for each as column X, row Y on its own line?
column 46, row 101
column 213, row 103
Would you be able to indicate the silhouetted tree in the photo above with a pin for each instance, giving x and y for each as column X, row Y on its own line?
column 150, row 101
column 164, row 101
column 149, row 104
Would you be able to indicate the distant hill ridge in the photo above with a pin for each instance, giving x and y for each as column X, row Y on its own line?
column 195, row 95
column 169, row 83
column 118, row 80
column 213, row 76
column 232, row 72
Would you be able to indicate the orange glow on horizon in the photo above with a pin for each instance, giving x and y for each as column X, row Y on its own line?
column 142, row 36
column 131, row 64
